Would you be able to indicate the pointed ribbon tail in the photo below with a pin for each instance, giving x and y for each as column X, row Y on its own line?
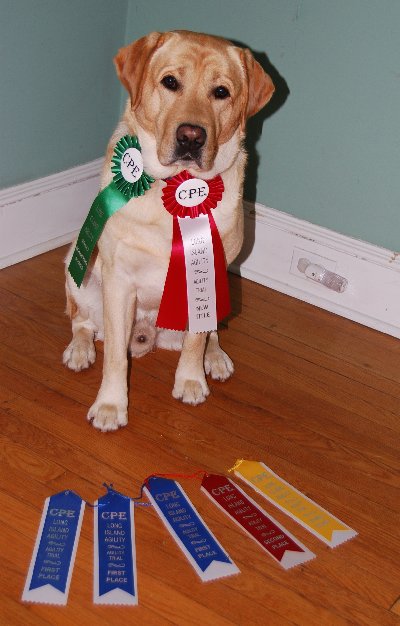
column 173, row 312
column 221, row 274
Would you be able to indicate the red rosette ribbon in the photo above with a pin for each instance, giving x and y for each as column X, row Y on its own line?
column 173, row 311
column 216, row 189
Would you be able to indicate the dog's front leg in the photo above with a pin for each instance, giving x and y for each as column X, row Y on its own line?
column 216, row 362
column 110, row 411
column 190, row 381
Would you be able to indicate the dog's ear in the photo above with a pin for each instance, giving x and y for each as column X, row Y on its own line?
column 131, row 62
column 260, row 85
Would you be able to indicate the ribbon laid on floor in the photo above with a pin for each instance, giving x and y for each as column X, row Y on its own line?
column 291, row 501
column 53, row 558
column 115, row 578
column 263, row 528
column 199, row 545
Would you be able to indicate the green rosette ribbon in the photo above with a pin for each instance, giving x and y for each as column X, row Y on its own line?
column 129, row 181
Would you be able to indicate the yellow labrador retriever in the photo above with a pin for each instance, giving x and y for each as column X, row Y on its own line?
column 189, row 98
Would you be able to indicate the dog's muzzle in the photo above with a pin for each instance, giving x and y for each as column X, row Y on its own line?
column 190, row 140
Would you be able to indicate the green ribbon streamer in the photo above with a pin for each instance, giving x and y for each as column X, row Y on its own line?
column 108, row 201
column 104, row 206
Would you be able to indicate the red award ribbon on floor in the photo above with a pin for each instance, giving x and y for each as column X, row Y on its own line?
column 196, row 291
column 271, row 536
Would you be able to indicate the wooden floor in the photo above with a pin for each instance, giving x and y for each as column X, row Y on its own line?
column 314, row 396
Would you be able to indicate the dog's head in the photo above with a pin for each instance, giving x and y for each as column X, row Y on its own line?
column 191, row 95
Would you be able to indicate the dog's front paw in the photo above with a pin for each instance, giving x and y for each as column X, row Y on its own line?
column 80, row 354
column 191, row 391
column 107, row 417
column 218, row 364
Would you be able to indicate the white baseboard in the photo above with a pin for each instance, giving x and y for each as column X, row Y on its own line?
column 44, row 214
column 273, row 239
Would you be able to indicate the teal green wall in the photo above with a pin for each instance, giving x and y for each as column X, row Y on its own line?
column 331, row 153
column 328, row 152
column 59, row 96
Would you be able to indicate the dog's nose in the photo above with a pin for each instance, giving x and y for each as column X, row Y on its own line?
column 190, row 137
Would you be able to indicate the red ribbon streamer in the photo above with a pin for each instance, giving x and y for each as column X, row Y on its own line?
column 234, row 502
column 173, row 311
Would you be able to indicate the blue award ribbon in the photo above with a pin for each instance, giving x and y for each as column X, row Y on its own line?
column 190, row 532
column 115, row 555
column 54, row 554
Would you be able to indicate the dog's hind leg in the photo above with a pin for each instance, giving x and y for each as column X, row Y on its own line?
column 216, row 362
column 190, row 381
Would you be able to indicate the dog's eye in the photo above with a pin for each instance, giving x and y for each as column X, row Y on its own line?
column 221, row 93
column 170, row 83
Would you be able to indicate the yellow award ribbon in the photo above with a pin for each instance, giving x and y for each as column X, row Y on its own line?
column 294, row 503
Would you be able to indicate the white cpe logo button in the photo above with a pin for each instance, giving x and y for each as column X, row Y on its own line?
column 132, row 165
column 192, row 192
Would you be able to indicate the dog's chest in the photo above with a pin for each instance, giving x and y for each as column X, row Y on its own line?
column 137, row 240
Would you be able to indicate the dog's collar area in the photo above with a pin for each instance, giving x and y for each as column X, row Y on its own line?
column 183, row 196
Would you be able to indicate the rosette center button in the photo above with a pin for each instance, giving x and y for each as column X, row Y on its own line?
column 192, row 192
column 132, row 165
